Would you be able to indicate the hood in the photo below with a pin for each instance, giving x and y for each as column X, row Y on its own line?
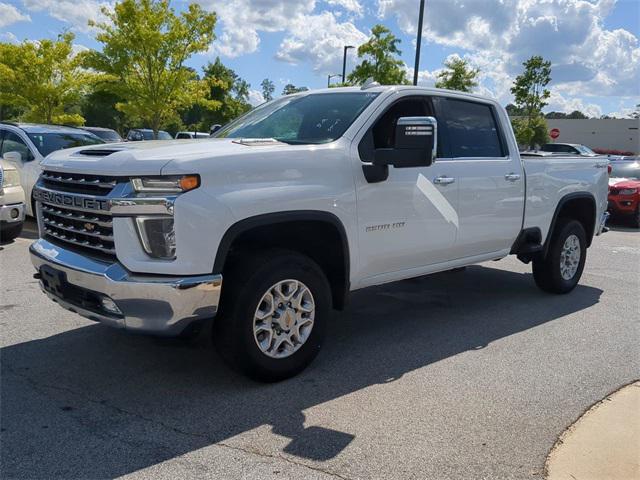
column 148, row 158
column 624, row 183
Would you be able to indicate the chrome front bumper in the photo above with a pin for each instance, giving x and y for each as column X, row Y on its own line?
column 12, row 213
column 163, row 305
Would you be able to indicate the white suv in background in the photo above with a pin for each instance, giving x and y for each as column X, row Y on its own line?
column 26, row 144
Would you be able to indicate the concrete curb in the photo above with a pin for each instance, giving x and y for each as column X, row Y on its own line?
column 604, row 443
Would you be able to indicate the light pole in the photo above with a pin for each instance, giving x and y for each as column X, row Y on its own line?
column 344, row 61
column 419, row 41
column 330, row 76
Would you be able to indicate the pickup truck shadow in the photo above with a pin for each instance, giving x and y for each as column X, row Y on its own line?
column 95, row 402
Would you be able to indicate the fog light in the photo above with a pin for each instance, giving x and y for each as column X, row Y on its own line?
column 110, row 306
column 157, row 236
column 15, row 213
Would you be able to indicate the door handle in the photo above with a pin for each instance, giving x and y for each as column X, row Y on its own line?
column 442, row 180
column 512, row 177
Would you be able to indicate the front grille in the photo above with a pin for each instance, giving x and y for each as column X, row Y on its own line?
column 77, row 183
column 73, row 226
column 613, row 191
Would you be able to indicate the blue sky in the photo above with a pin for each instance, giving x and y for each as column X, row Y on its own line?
column 593, row 44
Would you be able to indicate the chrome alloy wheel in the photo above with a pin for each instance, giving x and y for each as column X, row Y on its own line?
column 570, row 257
column 284, row 318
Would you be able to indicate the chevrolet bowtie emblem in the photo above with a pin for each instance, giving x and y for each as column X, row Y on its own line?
column 89, row 227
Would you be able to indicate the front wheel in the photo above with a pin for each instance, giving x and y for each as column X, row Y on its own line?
column 273, row 314
column 560, row 270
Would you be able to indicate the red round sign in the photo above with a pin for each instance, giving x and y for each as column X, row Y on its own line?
column 554, row 133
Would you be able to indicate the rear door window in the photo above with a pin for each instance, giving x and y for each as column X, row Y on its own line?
column 472, row 130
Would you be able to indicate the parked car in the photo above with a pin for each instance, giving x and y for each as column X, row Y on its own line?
column 12, row 207
column 26, row 144
column 624, row 190
column 569, row 149
column 183, row 135
column 140, row 134
column 106, row 134
column 299, row 202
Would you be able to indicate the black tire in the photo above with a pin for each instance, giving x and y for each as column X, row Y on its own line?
column 10, row 231
column 244, row 284
column 546, row 271
column 636, row 218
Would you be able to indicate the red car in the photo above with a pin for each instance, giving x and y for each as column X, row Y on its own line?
column 624, row 190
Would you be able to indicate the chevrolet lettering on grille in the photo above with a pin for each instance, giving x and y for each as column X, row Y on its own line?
column 73, row 201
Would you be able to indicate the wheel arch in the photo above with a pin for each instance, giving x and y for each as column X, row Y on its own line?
column 317, row 234
column 580, row 206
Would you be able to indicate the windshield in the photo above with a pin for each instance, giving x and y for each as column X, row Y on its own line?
column 585, row 150
column 107, row 135
column 162, row 135
column 307, row 119
column 50, row 142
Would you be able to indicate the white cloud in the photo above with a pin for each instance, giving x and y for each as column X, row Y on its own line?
column 255, row 97
column 77, row 13
column 241, row 20
column 10, row 15
column 587, row 59
column 352, row 6
column 319, row 39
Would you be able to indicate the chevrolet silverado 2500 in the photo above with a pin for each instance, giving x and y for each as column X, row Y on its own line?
column 266, row 228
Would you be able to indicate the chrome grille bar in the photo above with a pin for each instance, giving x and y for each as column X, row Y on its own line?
column 72, row 239
column 79, row 180
column 76, row 215
column 71, row 228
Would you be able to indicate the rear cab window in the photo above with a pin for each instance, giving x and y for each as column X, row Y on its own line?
column 471, row 129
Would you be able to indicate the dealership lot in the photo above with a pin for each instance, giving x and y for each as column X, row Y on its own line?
column 468, row 374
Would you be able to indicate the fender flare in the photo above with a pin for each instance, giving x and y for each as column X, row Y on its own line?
column 246, row 224
column 567, row 198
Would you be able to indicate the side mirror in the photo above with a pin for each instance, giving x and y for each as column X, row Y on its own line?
column 214, row 128
column 416, row 143
column 13, row 157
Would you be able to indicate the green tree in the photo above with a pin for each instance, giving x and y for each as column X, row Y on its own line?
column 380, row 63
column 228, row 93
column 457, row 75
column 290, row 88
column 144, row 48
column 267, row 89
column 636, row 112
column 43, row 79
column 99, row 109
column 530, row 94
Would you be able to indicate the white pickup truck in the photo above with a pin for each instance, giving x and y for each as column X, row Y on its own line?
column 261, row 231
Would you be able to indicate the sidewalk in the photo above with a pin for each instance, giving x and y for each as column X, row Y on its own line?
column 604, row 444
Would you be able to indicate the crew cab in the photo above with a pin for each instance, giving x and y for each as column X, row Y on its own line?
column 262, row 230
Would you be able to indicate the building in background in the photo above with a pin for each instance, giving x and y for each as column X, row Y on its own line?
column 608, row 134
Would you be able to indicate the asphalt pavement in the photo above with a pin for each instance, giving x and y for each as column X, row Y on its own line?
column 461, row 375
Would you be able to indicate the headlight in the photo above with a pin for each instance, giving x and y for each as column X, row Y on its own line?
column 11, row 178
column 157, row 236
column 166, row 184
column 628, row 191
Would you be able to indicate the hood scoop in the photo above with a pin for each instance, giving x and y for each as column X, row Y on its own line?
column 256, row 142
column 98, row 152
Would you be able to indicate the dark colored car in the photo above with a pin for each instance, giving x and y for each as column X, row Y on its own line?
column 106, row 134
column 139, row 134
column 624, row 190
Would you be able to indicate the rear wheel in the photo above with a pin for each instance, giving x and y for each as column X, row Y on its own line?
column 560, row 270
column 273, row 314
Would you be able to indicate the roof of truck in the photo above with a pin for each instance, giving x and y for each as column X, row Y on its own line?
column 44, row 128
column 385, row 88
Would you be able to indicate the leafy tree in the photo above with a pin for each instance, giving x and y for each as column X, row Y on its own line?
column 43, row 79
column 636, row 112
column 145, row 46
column 228, row 94
column 530, row 92
column 513, row 111
column 99, row 109
column 457, row 75
column 290, row 88
column 380, row 63
column 267, row 89
column 575, row 114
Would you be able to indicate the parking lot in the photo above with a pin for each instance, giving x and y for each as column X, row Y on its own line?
column 466, row 374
